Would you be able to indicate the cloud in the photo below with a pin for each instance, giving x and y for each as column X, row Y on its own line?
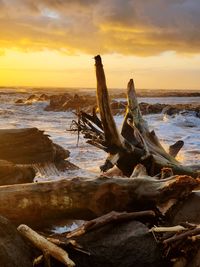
column 135, row 27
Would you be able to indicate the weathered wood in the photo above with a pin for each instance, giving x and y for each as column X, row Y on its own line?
column 155, row 154
column 82, row 198
column 45, row 246
column 25, row 146
column 103, row 100
column 161, row 229
column 12, row 174
column 136, row 144
column 175, row 148
column 29, row 146
column 110, row 217
column 181, row 236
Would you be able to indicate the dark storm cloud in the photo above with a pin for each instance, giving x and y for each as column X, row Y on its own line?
column 137, row 27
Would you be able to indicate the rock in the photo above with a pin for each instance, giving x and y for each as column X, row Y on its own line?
column 126, row 244
column 43, row 97
column 195, row 261
column 188, row 208
column 19, row 101
column 184, row 109
column 57, row 102
column 32, row 98
column 151, row 108
column 170, row 110
column 118, row 107
column 67, row 102
column 14, row 252
column 197, row 110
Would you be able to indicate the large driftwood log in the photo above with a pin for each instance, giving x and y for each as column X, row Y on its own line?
column 136, row 143
column 83, row 198
column 12, row 174
column 29, row 146
column 32, row 148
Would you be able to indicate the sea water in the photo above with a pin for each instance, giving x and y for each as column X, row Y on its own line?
column 169, row 129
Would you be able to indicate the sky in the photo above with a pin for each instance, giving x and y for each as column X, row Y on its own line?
column 53, row 42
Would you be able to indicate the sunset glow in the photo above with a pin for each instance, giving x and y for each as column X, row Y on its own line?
column 52, row 43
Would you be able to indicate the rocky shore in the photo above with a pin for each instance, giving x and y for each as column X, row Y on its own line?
column 86, row 102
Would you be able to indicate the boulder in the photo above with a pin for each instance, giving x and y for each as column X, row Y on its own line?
column 126, row 244
column 14, row 251
column 186, row 210
column 67, row 102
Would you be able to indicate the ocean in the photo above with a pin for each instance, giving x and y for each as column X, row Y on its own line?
column 169, row 129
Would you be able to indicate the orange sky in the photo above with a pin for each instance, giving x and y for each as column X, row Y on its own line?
column 52, row 42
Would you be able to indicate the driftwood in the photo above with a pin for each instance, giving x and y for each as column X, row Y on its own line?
column 25, row 146
column 29, row 146
column 12, row 174
column 185, row 235
column 45, row 246
column 136, row 143
column 83, row 198
column 180, row 243
column 110, row 217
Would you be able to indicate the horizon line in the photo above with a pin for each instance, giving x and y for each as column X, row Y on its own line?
column 87, row 88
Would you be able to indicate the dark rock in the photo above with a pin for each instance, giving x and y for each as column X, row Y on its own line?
column 118, row 107
column 19, row 101
column 195, row 261
column 32, row 97
column 197, row 110
column 43, row 97
column 57, row 102
column 66, row 102
column 151, row 108
column 187, row 209
column 14, row 251
column 170, row 110
column 126, row 244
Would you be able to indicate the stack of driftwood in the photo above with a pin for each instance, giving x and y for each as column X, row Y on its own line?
column 142, row 210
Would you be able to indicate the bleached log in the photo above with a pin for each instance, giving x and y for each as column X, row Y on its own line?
column 176, row 228
column 45, row 246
